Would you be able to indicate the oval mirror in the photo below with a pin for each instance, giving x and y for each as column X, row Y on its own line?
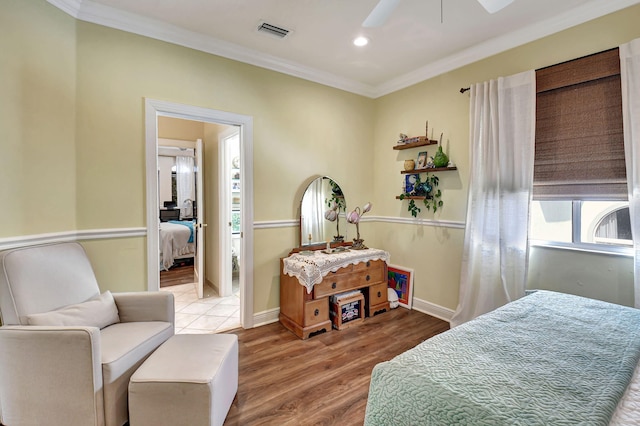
column 322, row 213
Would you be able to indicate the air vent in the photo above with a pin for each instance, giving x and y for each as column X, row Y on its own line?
column 273, row 30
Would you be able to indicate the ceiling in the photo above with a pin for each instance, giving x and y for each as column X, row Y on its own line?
column 419, row 40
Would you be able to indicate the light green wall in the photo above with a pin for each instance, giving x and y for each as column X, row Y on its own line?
column 37, row 119
column 436, row 256
column 177, row 128
column 331, row 134
column 604, row 277
column 73, row 141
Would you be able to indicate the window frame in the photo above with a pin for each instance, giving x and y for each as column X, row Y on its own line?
column 577, row 244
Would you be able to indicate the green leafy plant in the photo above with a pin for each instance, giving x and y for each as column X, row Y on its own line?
column 336, row 197
column 427, row 188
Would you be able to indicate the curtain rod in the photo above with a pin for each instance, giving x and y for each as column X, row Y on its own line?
column 464, row 89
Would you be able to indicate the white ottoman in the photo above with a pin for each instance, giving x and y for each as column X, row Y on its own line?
column 191, row 379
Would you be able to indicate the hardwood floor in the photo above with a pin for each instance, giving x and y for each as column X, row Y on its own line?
column 177, row 275
column 323, row 380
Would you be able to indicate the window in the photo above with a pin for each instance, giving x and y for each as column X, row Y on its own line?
column 599, row 225
column 580, row 189
column 614, row 228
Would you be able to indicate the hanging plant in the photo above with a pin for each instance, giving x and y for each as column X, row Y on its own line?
column 427, row 189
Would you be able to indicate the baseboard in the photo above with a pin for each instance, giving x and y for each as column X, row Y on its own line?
column 432, row 309
column 266, row 317
column 270, row 316
column 212, row 285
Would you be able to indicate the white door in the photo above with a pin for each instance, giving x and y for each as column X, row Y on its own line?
column 200, row 225
column 230, row 208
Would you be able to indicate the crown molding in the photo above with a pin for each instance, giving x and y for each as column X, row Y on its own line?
column 89, row 11
column 70, row 7
column 577, row 16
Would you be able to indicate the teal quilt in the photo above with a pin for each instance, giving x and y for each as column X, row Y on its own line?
column 545, row 359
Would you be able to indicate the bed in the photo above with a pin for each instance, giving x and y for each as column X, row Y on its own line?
column 545, row 359
column 177, row 241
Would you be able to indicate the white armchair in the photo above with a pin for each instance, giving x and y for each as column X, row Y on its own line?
column 67, row 352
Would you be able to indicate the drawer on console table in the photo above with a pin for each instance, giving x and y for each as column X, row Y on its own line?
column 299, row 311
column 377, row 300
column 350, row 278
column 316, row 312
column 378, row 294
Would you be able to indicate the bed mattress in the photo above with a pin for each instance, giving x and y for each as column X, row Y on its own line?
column 176, row 241
column 548, row 358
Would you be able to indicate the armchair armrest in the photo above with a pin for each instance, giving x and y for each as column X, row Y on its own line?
column 51, row 373
column 145, row 306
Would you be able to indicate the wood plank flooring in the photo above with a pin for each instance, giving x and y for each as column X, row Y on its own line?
column 323, row 380
column 177, row 275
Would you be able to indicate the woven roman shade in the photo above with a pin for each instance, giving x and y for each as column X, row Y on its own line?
column 579, row 149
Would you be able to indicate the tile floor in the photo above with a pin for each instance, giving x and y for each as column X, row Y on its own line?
column 211, row 314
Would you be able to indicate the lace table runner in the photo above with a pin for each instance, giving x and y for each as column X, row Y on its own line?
column 311, row 268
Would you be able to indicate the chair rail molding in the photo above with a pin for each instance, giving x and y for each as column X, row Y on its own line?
column 76, row 235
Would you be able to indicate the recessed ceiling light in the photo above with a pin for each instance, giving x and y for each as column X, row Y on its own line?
column 361, row 41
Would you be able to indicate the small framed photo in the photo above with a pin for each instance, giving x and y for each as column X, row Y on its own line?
column 400, row 279
column 422, row 160
column 409, row 183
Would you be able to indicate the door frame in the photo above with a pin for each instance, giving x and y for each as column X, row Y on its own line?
column 155, row 108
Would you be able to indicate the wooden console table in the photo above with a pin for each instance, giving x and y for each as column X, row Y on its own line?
column 305, row 289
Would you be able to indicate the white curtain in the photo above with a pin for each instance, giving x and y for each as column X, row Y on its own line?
column 630, row 79
column 502, row 128
column 184, row 184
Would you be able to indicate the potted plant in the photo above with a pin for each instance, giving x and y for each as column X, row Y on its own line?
column 429, row 190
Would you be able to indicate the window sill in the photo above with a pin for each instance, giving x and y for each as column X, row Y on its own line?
column 585, row 248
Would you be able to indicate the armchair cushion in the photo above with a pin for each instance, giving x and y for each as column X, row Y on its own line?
column 124, row 348
column 101, row 311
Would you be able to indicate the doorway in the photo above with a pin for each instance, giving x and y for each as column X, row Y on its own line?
column 244, row 129
column 180, row 184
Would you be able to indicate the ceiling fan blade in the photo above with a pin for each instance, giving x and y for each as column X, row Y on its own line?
column 493, row 6
column 380, row 13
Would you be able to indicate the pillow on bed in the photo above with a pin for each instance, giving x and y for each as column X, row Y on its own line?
column 101, row 311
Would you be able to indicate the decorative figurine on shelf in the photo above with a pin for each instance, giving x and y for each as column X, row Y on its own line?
column 333, row 215
column 354, row 217
column 440, row 159
column 430, row 164
column 409, row 165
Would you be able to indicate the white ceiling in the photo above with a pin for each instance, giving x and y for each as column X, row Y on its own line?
column 418, row 41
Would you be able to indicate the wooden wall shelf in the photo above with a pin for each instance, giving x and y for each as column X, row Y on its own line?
column 412, row 197
column 433, row 169
column 415, row 144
